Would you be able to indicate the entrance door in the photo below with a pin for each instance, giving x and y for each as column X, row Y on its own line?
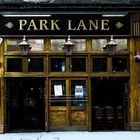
column 109, row 103
column 25, row 104
column 68, row 104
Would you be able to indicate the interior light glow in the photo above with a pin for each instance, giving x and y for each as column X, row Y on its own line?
column 113, row 15
column 26, row 15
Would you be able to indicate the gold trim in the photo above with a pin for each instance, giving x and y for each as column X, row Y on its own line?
column 9, row 25
column 119, row 25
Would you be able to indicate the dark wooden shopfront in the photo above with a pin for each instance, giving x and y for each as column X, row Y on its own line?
column 50, row 90
column 54, row 91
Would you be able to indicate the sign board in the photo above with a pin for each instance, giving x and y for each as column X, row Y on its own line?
column 65, row 24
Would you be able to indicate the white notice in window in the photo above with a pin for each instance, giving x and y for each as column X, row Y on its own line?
column 58, row 90
column 79, row 91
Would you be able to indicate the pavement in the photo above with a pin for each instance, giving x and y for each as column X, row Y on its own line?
column 82, row 135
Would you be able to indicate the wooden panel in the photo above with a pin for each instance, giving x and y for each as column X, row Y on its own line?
column 57, row 118
column 57, row 108
column 137, row 109
column 78, row 117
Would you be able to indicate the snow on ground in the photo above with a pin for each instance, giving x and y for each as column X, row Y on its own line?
column 129, row 135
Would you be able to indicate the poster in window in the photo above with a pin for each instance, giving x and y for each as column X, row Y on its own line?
column 58, row 90
column 79, row 92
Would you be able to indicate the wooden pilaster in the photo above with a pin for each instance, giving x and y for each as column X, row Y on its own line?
column 2, row 106
column 134, row 85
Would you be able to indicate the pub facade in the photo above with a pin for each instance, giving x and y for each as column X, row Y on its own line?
column 69, row 66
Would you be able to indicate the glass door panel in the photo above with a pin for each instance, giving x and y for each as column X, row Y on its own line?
column 26, row 104
column 68, row 104
column 78, row 108
column 57, row 103
column 78, row 93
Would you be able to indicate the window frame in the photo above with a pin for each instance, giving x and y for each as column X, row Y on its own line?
column 25, row 64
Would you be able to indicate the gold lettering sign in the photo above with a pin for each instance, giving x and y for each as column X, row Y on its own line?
column 105, row 24
column 44, row 24
column 54, row 25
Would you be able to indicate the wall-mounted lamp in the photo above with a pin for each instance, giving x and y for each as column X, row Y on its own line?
column 25, row 46
column 68, row 46
column 111, row 46
column 137, row 57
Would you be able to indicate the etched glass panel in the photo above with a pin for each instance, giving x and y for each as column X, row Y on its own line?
column 122, row 45
column 80, row 44
column 12, row 45
column 36, row 44
column 98, row 45
column 57, row 44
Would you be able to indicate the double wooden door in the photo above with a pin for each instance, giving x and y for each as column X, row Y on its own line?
column 68, row 104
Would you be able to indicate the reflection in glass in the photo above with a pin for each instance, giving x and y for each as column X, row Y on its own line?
column 99, row 64
column 98, row 45
column 58, row 93
column 26, row 103
column 36, row 44
column 80, row 45
column 35, row 64
column 57, row 44
column 119, row 65
column 78, row 92
column 14, row 65
column 78, row 65
column 122, row 44
column 58, row 65
column 12, row 45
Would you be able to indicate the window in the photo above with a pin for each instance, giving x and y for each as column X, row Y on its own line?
column 99, row 64
column 58, row 65
column 98, row 45
column 58, row 93
column 78, row 64
column 78, row 92
column 119, row 64
column 14, row 64
column 57, row 44
column 35, row 64
column 24, row 64
column 122, row 45
column 80, row 45
column 12, row 45
column 36, row 44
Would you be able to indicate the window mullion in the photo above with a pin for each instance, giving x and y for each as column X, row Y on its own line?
column 24, row 65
